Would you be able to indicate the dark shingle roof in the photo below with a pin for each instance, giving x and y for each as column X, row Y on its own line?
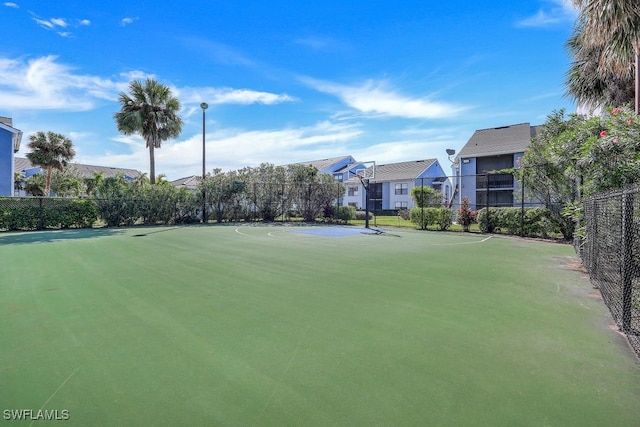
column 400, row 171
column 324, row 163
column 500, row 140
column 187, row 182
column 86, row 171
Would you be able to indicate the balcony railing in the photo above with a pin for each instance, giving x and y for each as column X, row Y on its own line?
column 496, row 181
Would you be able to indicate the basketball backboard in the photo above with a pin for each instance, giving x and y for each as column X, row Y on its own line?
column 362, row 170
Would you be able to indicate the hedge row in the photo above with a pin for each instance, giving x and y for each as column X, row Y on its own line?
column 537, row 221
column 34, row 214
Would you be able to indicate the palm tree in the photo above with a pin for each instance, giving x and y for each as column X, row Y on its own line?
column 589, row 85
column 608, row 36
column 50, row 151
column 151, row 111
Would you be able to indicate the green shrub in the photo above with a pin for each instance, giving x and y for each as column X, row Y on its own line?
column 345, row 213
column 537, row 221
column 425, row 217
column 361, row 215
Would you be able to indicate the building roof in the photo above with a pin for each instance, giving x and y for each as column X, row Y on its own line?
column 187, row 182
column 323, row 164
column 400, row 171
column 501, row 140
column 86, row 171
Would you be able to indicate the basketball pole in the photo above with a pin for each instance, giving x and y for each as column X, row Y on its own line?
column 365, row 184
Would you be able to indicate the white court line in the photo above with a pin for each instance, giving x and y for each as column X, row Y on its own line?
column 243, row 234
column 54, row 393
column 463, row 243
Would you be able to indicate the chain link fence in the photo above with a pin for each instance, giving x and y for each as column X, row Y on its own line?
column 609, row 246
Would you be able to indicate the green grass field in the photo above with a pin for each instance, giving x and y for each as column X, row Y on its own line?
column 263, row 325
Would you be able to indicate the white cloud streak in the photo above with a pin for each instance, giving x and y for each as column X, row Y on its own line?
column 127, row 21
column 230, row 96
column 43, row 83
column 232, row 149
column 559, row 12
column 11, row 4
column 376, row 99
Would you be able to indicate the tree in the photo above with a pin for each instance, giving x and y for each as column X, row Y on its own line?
column 592, row 87
column 549, row 168
column 18, row 181
column 221, row 191
column 67, row 183
column 466, row 216
column 266, row 189
column 93, row 183
column 151, row 111
column 606, row 45
column 426, row 197
column 50, row 151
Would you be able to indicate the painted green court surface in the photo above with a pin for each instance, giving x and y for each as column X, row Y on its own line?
column 249, row 326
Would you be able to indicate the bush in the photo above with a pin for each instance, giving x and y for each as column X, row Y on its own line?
column 404, row 214
column 361, row 215
column 425, row 217
column 32, row 213
column 466, row 216
column 537, row 221
column 345, row 213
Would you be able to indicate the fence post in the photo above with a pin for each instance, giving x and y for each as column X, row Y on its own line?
column 627, row 256
column 593, row 238
column 423, row 226
column 522, row 205
column 41, row 214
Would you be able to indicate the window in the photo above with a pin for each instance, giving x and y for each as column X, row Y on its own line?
column 402, row 205
column 338, row 177
column 375, row 196
column 352, row 191
column 402, row 189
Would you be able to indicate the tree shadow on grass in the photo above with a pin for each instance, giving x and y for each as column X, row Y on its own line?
column 46, row 236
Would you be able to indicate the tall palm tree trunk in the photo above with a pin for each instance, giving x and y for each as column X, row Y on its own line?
column 47, row 181
column 152, row 165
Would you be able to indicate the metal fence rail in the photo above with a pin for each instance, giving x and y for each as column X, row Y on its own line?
column 610, row 251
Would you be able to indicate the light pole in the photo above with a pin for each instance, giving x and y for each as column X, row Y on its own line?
column 204, row 106
column 451, row 152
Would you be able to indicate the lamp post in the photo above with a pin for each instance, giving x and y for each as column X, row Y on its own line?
column 204, row 106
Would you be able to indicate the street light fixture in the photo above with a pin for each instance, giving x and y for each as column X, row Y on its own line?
column 204, row 106
column 450, row 152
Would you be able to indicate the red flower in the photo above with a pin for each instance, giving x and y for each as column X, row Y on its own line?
column 603, row 133
column 615, row 140
column 629, row 122
column 616, row 110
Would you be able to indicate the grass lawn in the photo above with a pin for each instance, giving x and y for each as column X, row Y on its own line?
column 269, row 325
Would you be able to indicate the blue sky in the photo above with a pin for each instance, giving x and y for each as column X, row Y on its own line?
column 286, row 81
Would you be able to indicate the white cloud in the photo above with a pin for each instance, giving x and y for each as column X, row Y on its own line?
column 59, row 22
column 229, row 96
column 42, row 83
column 375, row 99
column 127, row 21
column 11, row 4
column 559, row 12
column 45, row 83
column 85, row 22
column 232, row 149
